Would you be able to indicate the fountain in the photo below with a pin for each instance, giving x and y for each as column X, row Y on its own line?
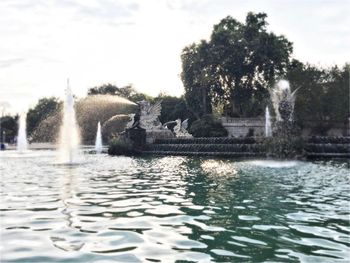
column 285, row 142
column 98, row 142
column 283, row 102
column 22, row 144
column 69, row 133
column 268, row 128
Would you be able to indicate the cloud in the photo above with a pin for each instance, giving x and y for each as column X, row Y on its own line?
column 102, row 11
column 140, row 41
column 5, row 63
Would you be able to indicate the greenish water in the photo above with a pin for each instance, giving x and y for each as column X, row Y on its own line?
column 163, row 209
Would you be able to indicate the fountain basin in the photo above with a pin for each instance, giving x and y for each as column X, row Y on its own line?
column 148, row 208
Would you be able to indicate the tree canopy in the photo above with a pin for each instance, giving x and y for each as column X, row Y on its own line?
column 173, row 108
column 44, row 108
column 128, row 92
column 323, row 96
column 235, row 67
column 9, row 127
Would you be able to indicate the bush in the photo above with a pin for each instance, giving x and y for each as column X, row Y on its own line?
column 207, row 126
column 321, row 129
column 120, row 147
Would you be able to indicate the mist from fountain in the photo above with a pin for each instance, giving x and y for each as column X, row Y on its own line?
column 283, row 101
column 69, row 132
column 286, row 142
column 98, row 142
column 22, row 143
column 268, row 127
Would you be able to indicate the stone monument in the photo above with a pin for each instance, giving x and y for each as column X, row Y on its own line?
column 180, row 129
column 147, row 119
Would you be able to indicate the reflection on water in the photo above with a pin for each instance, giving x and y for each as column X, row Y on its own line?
column 172, row 208
column 274, row 164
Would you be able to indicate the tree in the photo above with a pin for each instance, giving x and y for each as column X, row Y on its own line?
column 104, row 89
column 323, row 96
column 9, row 127
column 236, row 66
column 208, row 126
column 173, row 108
column 197, row 79
column 44, row 108
column 338, row 97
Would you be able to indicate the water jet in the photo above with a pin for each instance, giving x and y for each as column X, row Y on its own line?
column 98, row 142
column 69, row 132
column 268, row 127
column 22, row 143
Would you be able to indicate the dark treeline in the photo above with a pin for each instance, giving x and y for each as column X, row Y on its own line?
column 231, row 74
column 323, row 97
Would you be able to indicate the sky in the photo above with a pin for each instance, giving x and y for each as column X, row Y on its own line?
column 139, row 42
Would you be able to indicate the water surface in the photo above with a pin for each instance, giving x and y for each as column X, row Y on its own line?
column 163, row 209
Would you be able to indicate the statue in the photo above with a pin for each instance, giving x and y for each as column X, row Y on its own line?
column 149, row 115
column 134, row 133
column 146, row 120
column 181, row 129
column 146, row 116
column 131, row 122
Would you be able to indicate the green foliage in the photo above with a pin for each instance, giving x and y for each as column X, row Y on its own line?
column 120, row 147
column 207, row 126
column 235, row 67
column 197, row 78
column 44, row 108
column 48, row 129
column 323, row 96
column 173, row 108
column 104, row 89
column 128, row 92
column 284, row 147
column 9, row 127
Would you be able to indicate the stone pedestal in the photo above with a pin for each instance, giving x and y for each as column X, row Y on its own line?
column 153, row 135
column 137, row 136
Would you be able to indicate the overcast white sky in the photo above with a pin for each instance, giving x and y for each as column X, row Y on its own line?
column 43, row 42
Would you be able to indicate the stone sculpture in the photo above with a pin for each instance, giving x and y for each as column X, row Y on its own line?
column 147, row 119
column 149, row 115
column 131, row 121
column 180, row 129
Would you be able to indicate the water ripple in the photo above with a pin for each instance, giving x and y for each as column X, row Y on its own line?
column 172, row 208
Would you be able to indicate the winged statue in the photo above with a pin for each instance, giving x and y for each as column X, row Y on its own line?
column 181, row 129
column 149, row 117
column 131, row 122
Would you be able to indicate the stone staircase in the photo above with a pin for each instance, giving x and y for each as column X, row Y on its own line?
column 328, row 147
column 315, row 147
column 223, row 147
